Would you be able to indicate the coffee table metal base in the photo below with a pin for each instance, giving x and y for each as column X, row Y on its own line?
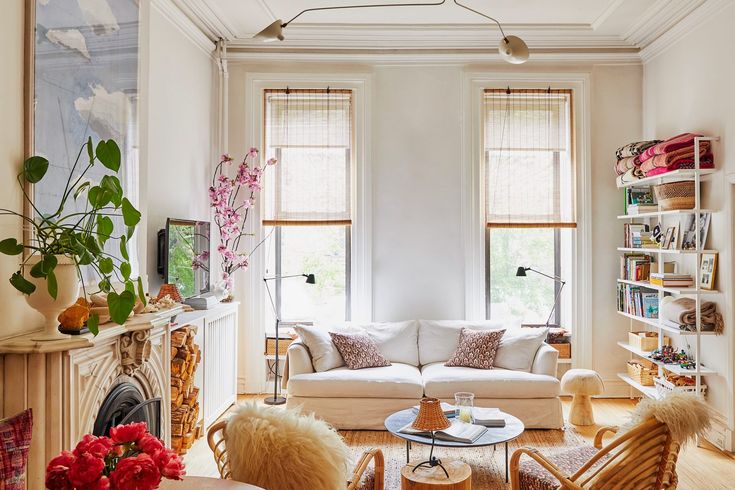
column 408, row 456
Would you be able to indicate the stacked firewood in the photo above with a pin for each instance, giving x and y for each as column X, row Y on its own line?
column 185, row 356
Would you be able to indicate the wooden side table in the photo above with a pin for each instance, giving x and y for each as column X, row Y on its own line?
column 460, row 477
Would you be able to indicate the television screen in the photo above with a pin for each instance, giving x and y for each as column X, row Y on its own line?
column 185, row 241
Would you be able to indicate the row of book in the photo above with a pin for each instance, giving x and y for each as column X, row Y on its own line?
column 638, row 235
column 637, row 301
column 640, row 199
column 635, row 267
column 671, row 280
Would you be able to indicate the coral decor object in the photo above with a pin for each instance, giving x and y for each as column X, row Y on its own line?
column 129, row 459
column 232, row 198
column 171, row 291
column 76, row 315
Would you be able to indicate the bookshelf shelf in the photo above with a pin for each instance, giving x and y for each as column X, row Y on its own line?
column 649, row 391
column 664, row 251
column 674, row 368
column 669, row 176
column 653, row 322
column 657, row 214
column 648, row 285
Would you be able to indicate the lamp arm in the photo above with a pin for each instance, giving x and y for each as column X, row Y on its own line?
column 270, row 296
column 266, row 279
column 341, row 7
column 555, row 278
column 556, row 300
column 483, row 15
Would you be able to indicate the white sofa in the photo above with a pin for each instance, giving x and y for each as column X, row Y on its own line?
column 362, row 399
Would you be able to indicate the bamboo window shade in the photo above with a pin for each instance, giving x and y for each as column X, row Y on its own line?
column 310, row 132
column 529, row 158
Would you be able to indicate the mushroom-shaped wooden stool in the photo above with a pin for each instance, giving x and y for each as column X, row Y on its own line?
column 582, row 384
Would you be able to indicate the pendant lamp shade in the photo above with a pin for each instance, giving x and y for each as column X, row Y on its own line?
column 513, row 50
column 274, row 32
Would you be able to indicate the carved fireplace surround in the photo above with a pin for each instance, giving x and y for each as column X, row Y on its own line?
column 65, row 382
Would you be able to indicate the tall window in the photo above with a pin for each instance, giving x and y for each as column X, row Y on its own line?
column 308, row 200
column 530, row 202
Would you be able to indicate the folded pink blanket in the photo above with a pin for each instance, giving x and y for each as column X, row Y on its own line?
column 679, row 141
column 669, row 158
column 704, row 162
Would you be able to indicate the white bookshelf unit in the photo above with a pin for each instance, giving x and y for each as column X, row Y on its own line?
column 696, row 175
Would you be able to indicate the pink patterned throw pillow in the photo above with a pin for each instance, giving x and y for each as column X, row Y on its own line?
column 15, row 442
column 476, row 349
column 358, row 350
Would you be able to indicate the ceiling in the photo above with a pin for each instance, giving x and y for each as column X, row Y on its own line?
column 602, row 26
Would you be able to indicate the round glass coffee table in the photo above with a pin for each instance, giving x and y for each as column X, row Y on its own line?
column 493, row 436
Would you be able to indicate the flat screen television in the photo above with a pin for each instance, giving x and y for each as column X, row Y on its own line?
column 178, row 245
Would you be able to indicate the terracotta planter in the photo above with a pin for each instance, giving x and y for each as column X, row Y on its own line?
column 41, row 301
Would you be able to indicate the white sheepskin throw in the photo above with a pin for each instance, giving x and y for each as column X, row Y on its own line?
column 280, row 449
column 686, row 415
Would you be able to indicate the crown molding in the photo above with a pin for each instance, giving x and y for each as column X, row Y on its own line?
column 706, row 11
column 173, row 13
column 658, row 19
column 606, row 14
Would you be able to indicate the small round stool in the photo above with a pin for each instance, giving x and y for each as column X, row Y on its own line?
column 582, row 384
column 460, row 477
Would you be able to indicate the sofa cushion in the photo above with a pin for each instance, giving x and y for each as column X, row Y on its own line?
column 518, row 347
column 476, row 349
column 324, row 354
column 358, row 350
column 443, row 382
column 397, row 341
column 395, row 381
column 438, row 338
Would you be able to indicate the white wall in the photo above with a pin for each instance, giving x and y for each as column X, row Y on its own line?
column 416, row 150
column 687, row 88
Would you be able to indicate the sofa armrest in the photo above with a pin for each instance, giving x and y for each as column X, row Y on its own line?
column 545, row 360
column 299, row 359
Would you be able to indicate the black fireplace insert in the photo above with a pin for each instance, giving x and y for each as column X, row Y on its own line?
column 126, row 404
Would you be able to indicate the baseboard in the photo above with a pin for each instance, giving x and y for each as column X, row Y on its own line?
column 719, row 434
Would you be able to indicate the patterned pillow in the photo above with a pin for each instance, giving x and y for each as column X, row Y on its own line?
column 476, row 348
column 15, row 441
column 359, row 351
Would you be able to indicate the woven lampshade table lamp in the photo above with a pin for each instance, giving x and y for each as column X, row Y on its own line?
column 431, row 418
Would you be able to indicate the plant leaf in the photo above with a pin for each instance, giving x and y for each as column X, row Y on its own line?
column 10, row 246
column 109, row 154
column 129, row 286
column 141, row 292
column 81, row 189
column 43, row 267
column 112, row 184
column 106, row 266
column 53, row 287
column 131, row 216
column 34, row 169
column 104, row 285
column 124, row 248
column 105, row 227
column 121, row 305
column 21, row 283
column 93, row 323
column 90, row 149
column 125, row 270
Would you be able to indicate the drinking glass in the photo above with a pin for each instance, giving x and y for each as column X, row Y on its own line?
column 463, row 403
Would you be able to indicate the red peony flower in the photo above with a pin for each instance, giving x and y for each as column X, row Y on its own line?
column 86, row 469
column 102, row 484
column 170, row 464
column 129, row 433
column 57, row 477
column 98, row 447
column 64, row 459
column 150, row 444
column 136, row 473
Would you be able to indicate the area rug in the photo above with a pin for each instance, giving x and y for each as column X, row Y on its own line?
column 488, row 465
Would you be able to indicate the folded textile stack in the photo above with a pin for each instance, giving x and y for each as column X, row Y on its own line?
column 628, row 156
column 674, row 154
column 681, row 313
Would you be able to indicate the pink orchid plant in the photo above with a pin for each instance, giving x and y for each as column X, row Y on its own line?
column 232, row 198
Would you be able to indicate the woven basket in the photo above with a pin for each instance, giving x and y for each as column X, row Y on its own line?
column 675, row 195
column 642, row 372
column 664, row 387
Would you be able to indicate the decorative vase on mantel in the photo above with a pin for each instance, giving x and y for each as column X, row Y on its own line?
column 41, row 301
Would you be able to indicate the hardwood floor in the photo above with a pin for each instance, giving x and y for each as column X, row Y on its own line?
column 703, row 467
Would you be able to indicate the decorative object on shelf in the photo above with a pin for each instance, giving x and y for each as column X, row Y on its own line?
column 310, row 279
column 688, row 237
column 646, row 341
column 131, row 457
column 464, row 403
column 582, row 384
column 681, row 313
column 675, row 195
column 668, row 355
column 65, row 242
column 185, row 357
column 708, row 271
column 74, row 317
column 642, row 372
column 431, row 418
column 170, row 290
column 231, row 212
column 673, row 383
column 511, row 48
column 521, row 272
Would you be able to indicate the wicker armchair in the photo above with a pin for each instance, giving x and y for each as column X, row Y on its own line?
column 642, row 458
column 360, row 480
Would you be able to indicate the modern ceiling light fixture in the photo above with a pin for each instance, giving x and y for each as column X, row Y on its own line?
column 511, row 48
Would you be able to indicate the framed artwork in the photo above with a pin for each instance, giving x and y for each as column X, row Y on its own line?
column 667, row 237
column 708, row 271
column 82, row 81
column 688, row 238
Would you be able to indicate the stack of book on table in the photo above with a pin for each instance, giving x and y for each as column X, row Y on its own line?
column 671, row 280
column 457, row 432
column 487, row 417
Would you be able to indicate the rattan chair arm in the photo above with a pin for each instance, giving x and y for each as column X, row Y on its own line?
column 601, row 434
column 515, row 460
column 376, row 456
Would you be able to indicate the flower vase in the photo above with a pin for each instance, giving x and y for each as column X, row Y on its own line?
column 40, row 300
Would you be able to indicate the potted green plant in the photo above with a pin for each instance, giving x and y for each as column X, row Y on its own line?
column 72, row 237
